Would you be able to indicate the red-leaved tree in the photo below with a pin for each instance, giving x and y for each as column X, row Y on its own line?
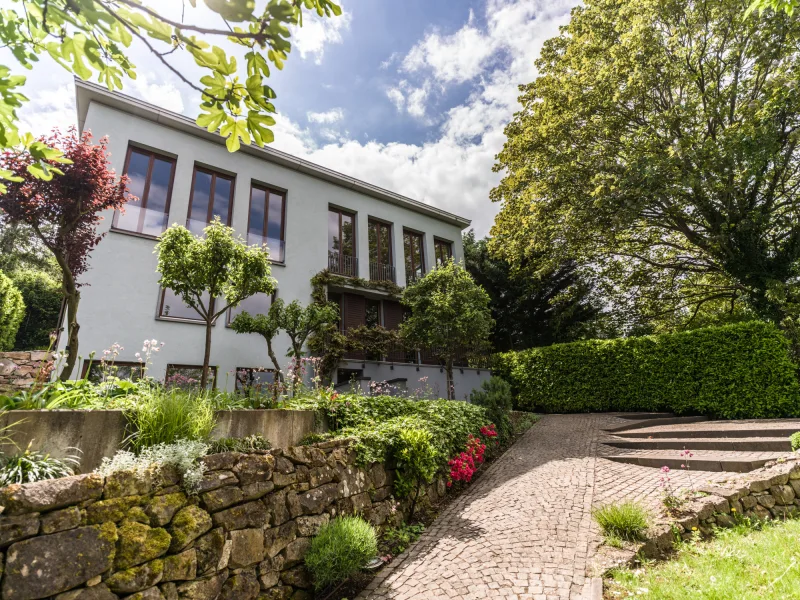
column 64, row 210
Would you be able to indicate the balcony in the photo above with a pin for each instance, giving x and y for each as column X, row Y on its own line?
column 381, row 272
column 342, row 264
column 275, row 246
column 413, row 276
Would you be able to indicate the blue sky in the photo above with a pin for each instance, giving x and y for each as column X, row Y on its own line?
column 410, row 95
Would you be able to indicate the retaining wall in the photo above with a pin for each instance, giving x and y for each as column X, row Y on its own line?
column 100, row 433
column 243, row 536
column 18, row 370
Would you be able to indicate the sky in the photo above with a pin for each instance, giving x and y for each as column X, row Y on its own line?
column 409, row 95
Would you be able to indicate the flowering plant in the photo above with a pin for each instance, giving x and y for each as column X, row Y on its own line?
column 463, row 465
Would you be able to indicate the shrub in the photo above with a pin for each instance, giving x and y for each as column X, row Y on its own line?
column 42, row 296
column 182, row 455
column 32, row 465
column 738, row 371
column 165, row 416
column 251, row 443
column 624, row 521
column 12, row 311
column 495, row 396
column 795, row 440
column 340, row 549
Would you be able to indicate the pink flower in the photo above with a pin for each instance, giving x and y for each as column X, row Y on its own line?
column 665, row 469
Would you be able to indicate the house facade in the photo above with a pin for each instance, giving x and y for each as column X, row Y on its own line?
column 312, row 219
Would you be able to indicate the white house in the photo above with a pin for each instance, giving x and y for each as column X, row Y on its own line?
column 311, row 217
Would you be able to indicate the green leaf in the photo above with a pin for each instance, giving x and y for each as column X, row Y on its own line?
column 259, row 124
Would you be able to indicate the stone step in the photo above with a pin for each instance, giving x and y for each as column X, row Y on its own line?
column 636, row 416
column 688, row 434
column 657, row 422
column 745, row 444
column 708, row 460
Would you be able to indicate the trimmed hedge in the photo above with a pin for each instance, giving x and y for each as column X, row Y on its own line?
column 12, row 310
column 739, row 371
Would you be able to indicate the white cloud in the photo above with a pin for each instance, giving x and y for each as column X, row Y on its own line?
column 317, row 32
column 164, row 95
column 410, row 99
column 452, row 58
column 329, row 116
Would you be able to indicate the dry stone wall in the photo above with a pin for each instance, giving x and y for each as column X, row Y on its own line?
column 18, row 370
column 242, row 536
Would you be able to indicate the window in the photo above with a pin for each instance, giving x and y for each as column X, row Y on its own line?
column 258, row 304
column 171, row 306
column 372, row 313
column 188, row 377
column 342, row 243
column 415, row 265
column 212, row 196
column 254, row 381
column 149, row 191
column 443, row 251
column 380, row 252
column 93, row 370
column 266, row 222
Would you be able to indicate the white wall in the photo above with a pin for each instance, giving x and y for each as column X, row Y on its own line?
column 119, row 300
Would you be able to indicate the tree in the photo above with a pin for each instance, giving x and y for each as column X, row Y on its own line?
column 660, row 145
column 530, row 308
column 42, row 295
column 212, row 273
column 90, row 37
column 20, row 249
column 788, row 6
column 300, row 322
column 449, row 314
column 64, row 211
column 12, row 310
column 267, row 326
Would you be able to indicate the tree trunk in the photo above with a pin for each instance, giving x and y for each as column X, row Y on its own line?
column 72, row 297
column 206, row 356
column 271, row 352
column 451, row 387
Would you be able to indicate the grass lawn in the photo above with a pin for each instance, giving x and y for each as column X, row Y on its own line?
column 748, row 561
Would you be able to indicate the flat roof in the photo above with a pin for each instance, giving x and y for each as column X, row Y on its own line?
column 87, row 92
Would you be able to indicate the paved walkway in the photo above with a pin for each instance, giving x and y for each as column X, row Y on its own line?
column 524, row 529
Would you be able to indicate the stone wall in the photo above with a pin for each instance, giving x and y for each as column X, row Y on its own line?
column 18, row 370
column 772, row 492
column 243, row 535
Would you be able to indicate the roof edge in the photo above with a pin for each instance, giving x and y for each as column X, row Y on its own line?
column 87, row 92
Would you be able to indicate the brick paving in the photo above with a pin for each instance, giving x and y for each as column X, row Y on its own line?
column 524, row 530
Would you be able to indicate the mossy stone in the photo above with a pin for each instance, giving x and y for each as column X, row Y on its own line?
column 161, row 509
column 136, row 579
column 189, row 523
column 139, row 543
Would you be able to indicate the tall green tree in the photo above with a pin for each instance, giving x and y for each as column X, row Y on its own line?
column 659, row 143
column 42, row 295
column 449, row 315
column 301, row 322
column 212, row 273
column 90, row 38
column 531, row 308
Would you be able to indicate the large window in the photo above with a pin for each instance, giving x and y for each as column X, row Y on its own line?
column 257, row 304
column 342, row 243
column 212, row 196
column 380, row 252
column 171, row 306
column 415, row 258
column 266, row 222
column 95, row 372
column 188, row 377
column 149, row 191
column 443, row 251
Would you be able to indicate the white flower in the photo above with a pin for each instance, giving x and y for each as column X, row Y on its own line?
column 154, row 342
column 137, row 355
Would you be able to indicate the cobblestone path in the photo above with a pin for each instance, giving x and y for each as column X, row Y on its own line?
column 524, row 529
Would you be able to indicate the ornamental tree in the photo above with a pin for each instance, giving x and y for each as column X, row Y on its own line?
column 212, row 273
column 63, row 211
column 90, row 38
column 659, row 147
column 300, row 322
column 450, row 315
column 267, row 326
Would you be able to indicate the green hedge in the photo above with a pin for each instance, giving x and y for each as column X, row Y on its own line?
column 738, row 371
column 12, row 309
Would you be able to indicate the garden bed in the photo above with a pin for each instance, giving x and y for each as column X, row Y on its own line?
column 97, row 434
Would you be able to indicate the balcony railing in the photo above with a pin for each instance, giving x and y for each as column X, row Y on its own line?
column 342, row 264
column 381, row 272
column 412, row 276
column 399, row 353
